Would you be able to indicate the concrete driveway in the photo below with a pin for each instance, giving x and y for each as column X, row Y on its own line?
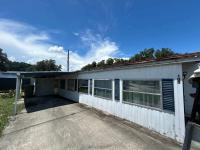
column 74, row 126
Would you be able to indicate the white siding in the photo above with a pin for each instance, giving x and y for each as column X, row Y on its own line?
column 169, row 124
column 161, row 122
column 68, row 94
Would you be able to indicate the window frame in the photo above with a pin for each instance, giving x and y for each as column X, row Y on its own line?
column 111, row 90
column 117, row 100
column 141, row 105
column 83, row 86
column 73, row 90
column 90, row 86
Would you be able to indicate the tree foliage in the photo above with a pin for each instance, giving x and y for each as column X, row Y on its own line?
column 146, row 54
column 152, row 54
column 47, row 65
column 101, row 63
column 44, row 65
column 3, row 61
column 163, row 53
column 20, row 66
column 109, row 61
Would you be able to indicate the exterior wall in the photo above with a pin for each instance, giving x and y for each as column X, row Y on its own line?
column 72, row 95
column 44, row 86
column 169, row 124
column 189, row 68
column 69, row 94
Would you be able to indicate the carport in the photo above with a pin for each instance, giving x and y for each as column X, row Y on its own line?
column 33, row 76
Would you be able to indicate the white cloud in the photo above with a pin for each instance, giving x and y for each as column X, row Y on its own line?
column 76, row 34
column 26, row 43
column 11, row 58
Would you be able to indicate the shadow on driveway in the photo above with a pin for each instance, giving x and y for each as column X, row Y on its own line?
column 34, row 104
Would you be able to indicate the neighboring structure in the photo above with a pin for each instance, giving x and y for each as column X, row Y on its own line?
column 153, row 94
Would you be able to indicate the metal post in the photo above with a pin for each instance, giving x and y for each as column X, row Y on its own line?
column 67, row 60
column 17, row 92
column 188, row 137
column 20, row 88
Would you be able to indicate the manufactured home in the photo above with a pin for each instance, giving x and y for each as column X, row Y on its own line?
column 153, row 94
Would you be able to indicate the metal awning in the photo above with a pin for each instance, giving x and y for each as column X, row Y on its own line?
column 37, row 74
column 45, row 74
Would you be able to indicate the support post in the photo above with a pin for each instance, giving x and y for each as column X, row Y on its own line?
column 67, row 60
column 17, row 92
column 121, row 90
column 188, row 136
column 113, row 90
column 192, row 134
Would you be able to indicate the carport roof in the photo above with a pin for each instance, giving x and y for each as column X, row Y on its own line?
column 36, row 74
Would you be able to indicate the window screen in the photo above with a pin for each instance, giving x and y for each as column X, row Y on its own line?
column 145, row 93
column 83, row 86
column 103, row 88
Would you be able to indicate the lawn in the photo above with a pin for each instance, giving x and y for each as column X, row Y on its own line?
column 6, row 110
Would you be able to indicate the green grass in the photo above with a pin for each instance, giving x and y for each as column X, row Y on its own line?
column 6, row 110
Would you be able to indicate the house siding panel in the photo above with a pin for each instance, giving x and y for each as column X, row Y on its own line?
column 166, row 123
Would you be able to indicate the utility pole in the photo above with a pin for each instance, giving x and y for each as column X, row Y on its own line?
column 68, row 60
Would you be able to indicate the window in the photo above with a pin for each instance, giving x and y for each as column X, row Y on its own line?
column 103, row 88
column 90, row 86
column 83, row 86
column 62, row 84
column 117, row 90
column 71, row 84
column 145, row 93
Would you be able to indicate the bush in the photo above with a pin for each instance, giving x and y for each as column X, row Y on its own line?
column 8, row 94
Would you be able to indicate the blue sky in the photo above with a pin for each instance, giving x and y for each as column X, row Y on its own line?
column 31, row 30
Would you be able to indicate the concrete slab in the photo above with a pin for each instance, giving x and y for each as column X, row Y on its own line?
column 72, row 126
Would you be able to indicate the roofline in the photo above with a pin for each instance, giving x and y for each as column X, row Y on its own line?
column 35, row 74
column 145, row 64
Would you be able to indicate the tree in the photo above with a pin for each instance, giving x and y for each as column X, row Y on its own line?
column 101, row 63
column 136, row 57
column 119, row 61
column 87, row 67
column 163, row 53
column 109, row 61
column 47, row 65
column 146, row 54
column 20, row 66
column 94, row 64
column 151, row 54
column 3, row 61
column 143, row 55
